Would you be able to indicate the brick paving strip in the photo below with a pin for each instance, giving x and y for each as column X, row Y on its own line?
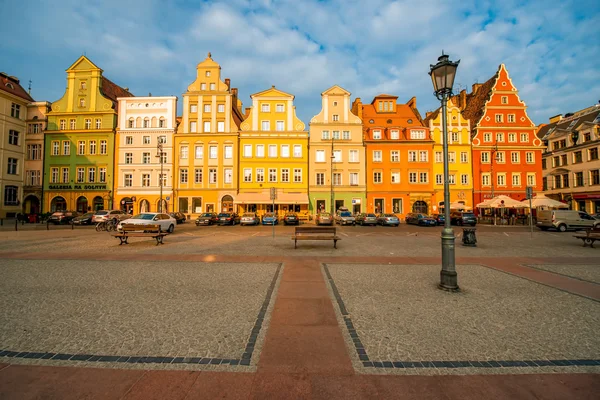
column 304, row 354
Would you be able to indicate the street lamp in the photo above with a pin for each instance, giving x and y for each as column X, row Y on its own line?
column 494, row 156
column 442, row 75
column 159, row 151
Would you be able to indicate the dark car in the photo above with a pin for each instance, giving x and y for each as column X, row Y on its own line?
column 388, row 219
column 85, row 219
column 366, row 219
column 291, row 219
column 207, row 219
column 420, row 219
column 179, row 217
column 228, row 218
column 62, row 217
column 439, row 218
column 270, row 219
column 463, row 218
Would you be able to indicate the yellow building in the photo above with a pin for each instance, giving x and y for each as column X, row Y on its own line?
column 273, row 154
column 206, row 141
column 459, row 157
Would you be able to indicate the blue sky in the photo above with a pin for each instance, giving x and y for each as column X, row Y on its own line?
column 551, row 48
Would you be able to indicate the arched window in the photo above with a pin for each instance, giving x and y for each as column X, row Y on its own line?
column 420, row 207
column 98, row 203
column 81, row 102
column 144, row 206
column 82, row 204
column 161, row 122
column 154, row 122
column 146, row 122
column 58, row 204
column 131, row 123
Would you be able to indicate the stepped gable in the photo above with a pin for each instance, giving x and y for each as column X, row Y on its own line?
column 10, row 84
column 112, row 91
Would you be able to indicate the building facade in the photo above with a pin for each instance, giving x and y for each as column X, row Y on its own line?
column 79, row 155
column 206, row 144
column 144, row 154
column 570, row 162
column 34, row 156
column 459, row 157
column 273, row 154
column 398, row 157
column 337, row 156
column 13, row 115
column 507, row 154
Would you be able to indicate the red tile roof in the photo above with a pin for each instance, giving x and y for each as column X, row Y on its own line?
column 11, row 85
column 476, row 101
column 112, row 91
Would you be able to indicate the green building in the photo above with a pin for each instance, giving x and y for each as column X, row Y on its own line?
column 79, row 142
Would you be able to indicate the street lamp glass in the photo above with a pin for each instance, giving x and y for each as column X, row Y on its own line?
column 443, row 74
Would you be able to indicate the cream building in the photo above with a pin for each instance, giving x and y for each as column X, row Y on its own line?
column 13, row 114
column 206, row 143
column 34, row 156
column 336, row 140
column 145, row 125
column 571, row 163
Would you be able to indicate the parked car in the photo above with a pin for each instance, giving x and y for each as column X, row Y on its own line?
column 249, row 219
column 105, row 215
column 228, row 219
column 166, row 222
column 366, row 219
column 85, row 219
column 420, row 219
column 463, row 218
column 179, row 217
column 207, row 219
column 324, row 219
column 270, row 219
column 62, row 217
column 344, row 217
column 439, row 218
column 291, row 219
column 388, row 219
column 564, row 220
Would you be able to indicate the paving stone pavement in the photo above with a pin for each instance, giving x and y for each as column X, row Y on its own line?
column 398, row 317
column 84, row 279
column 587, row 272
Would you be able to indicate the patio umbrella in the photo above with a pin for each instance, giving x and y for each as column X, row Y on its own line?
column 542, row 201
column 484, row 204
column 503, row 201
column 459, row 206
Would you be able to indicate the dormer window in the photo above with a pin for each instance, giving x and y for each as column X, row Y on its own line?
column 377, row 134
column 82, row 85
column 335, row 103
column 385, row 106
column 417, row 134
column 394, row 134
column 81, row 102
column 207, row 73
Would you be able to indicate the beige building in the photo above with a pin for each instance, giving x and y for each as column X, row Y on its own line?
column 570, row 164
column 13, row 115
column 145, row 129
column 34, row 156
column 206, row 143
column 336, row 141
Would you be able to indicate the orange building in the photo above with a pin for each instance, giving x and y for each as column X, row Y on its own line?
column 507, row 154
column 398, row 152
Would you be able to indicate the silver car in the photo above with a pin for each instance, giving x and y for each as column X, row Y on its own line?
column 345, row 218
column 249, row 219
column 105, row 215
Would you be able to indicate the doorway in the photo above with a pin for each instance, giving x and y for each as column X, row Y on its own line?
column 32, row 204
column 82, row 205
column 210, row 208
column 320, row 204
column 144, row 206
column 420, row 207
column 356, row 208
column 98, row 203
column 58, row 204
column 227, row 204
column 338, row 205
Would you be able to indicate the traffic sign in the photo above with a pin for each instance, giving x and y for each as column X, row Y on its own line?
column 273, row 193
column 529, row 192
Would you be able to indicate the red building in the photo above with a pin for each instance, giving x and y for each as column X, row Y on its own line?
column 507, row 154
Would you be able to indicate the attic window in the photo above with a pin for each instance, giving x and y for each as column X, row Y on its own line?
column 335, row 103
column 371, row 121
column 597, row 120
column 409, row 121
column 10, row 85
column 389, row 121
column 82, row 85
column 81, row 102
column 572, row 124
column 207, row 73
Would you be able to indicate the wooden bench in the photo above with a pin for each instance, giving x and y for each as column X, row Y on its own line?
column 133, row 230
column 591, row 235
column 315, row 233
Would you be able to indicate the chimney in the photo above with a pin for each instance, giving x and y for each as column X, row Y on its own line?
column 247, row 112
column 234, row 91
column 475, row 87
column 428, row 113
column 412, row 103
column 357, row 108
column 556, row 118
column 228, row 83
column 462, row 99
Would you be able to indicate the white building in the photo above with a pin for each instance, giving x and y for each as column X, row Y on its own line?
column 145, row 124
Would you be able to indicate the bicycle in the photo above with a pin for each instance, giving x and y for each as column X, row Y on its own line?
column 107, row 226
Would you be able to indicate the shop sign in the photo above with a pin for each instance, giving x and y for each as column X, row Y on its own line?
column 76, row 187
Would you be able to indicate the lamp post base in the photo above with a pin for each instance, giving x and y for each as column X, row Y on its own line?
column 448, row 281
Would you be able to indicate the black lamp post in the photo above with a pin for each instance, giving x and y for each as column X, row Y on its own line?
column 442, row 75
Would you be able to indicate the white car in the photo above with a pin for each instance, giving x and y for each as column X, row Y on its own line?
column 166, row 222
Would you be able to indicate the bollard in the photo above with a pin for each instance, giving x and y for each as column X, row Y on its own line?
column 469, row 238
column 16, row 224
column 72, row 225
column 47, row 225
column 1, row 221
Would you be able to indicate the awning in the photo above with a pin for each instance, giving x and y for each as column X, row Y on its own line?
column 291, row 198
column 590, row 196
column 265, row 198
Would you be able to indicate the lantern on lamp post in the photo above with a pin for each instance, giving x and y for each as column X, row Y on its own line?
column 442, row 76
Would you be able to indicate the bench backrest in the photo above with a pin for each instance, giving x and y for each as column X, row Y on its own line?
column 594, row 229
column 140, row 227
column 314, row 229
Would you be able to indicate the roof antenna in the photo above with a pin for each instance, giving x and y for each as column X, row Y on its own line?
column 29, row 90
